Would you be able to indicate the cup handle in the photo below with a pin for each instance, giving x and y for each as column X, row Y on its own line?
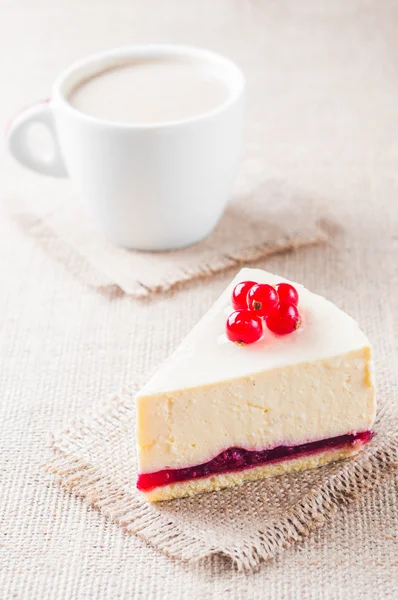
column 17, row 141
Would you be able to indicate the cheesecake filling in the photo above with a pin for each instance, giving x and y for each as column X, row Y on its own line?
column 237, row 459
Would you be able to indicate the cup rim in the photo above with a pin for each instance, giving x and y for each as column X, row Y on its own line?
column 235, row 78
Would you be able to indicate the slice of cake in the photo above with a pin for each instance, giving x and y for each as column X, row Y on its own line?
column 283, row 383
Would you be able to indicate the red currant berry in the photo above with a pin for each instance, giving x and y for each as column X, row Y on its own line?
column 239, row 294
column 244, row 327
column 287, row 293
column 262, row 298
column 285, row 319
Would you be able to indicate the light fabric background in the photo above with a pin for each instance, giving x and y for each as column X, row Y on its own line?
column 323, row 118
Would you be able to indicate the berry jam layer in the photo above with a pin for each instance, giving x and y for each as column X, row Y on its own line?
column 236, row 459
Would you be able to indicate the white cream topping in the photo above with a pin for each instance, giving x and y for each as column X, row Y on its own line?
column 206, row 356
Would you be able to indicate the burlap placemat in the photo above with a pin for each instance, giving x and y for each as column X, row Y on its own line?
column 95, row 458
column 263, row 219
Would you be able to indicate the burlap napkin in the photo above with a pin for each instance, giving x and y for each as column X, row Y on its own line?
column 95, row 458
column 264, row 218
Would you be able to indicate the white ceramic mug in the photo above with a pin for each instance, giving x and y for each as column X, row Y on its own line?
column 151, row 186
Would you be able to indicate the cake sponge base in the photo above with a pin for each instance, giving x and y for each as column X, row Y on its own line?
column 224, row 480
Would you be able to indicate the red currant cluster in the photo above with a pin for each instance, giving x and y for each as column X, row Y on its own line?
column 256, row 303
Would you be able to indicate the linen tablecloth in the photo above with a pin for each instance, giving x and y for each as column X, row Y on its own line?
column 323, row 110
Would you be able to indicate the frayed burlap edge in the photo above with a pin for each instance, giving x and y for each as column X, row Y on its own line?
column 136, row 516
column 80, row 266
column 65, row 254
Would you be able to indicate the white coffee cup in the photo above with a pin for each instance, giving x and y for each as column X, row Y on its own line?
column 148, row 186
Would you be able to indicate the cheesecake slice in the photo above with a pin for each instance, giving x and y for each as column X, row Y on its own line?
column 218, row 413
